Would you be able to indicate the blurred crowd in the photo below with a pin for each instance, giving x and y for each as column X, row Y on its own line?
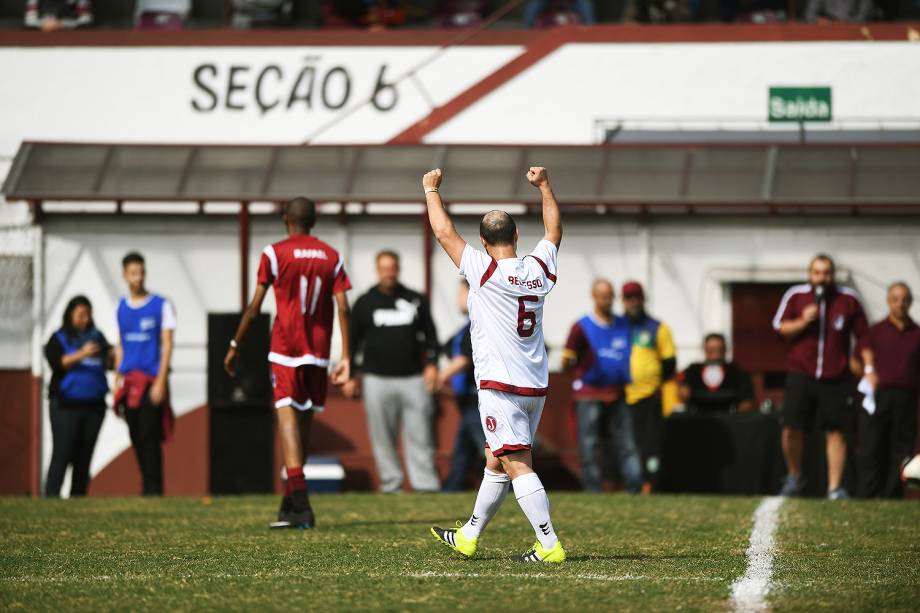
column 50, row 15
column 623, row 368
column 855, row 383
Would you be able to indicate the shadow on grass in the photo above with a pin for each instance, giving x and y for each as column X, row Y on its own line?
column 631, row 557
column 386, row 522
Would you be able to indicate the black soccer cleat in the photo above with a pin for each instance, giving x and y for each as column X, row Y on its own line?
column 296, row 514
column 286, row 505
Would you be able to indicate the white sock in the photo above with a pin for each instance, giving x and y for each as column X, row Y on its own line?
column 491, row 495
column 534, row 502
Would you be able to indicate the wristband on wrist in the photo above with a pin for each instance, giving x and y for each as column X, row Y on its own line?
column 233, row 343
column 428, row 190
column 869, row 369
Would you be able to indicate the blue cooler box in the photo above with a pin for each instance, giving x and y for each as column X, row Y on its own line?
column 324, row 474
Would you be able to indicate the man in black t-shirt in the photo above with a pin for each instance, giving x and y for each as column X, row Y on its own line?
column 394, row 347
column 716, row 385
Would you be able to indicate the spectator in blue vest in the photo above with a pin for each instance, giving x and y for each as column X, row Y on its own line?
column 471, row 440
column 598, row 352
column 78, row 354
column 146, row 323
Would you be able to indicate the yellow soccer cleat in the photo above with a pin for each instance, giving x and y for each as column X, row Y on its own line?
column 456, row 540
column 538, row 553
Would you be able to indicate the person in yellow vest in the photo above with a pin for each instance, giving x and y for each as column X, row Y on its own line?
column 653, row 359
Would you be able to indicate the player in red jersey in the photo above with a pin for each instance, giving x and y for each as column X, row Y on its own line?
column 307, row 276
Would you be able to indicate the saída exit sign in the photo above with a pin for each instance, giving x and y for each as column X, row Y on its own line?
column 799, row 104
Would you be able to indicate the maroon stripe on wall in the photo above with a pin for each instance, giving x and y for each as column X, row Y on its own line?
column 20, row 433
column 185, row 463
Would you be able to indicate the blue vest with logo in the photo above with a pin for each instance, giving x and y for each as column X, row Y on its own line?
column 85, row 381
column 140, row 335
column 611, row 347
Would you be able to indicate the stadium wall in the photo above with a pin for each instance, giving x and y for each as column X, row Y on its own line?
column 685, row 263
column 552, row 88
column 562, row 86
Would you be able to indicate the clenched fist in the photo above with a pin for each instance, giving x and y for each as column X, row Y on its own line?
column 537, row 176
column 432, row 179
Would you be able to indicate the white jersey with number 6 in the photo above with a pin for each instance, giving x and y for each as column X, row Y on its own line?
column 506, row 312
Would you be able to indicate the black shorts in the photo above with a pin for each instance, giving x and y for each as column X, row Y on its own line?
column 829, row 405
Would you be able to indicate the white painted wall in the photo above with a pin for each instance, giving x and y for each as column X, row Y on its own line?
column 683, row 263
column 148, row 95
column 687, row 86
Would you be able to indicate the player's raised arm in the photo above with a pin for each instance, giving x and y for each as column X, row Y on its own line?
column 441, row 224
column 552, row 221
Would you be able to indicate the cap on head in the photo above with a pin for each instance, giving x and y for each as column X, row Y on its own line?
column 633, row 289
column 498, row 229
column 300, row 212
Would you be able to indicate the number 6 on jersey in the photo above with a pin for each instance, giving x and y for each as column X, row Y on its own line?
column 525, row 317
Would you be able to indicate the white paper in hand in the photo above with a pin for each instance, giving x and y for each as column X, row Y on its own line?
column 865, row 388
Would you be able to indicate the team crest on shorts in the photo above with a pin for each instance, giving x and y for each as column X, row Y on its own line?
column 491, row 424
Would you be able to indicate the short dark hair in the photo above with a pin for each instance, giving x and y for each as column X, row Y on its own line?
column 133, row 257
column 497, row 228
column 387, row 253
column 715, row 336
column 300, row 212
column 825, row 257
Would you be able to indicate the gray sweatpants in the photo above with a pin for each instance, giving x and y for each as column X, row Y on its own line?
column 388, row 402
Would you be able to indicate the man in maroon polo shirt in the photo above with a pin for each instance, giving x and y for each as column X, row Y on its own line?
column 818, row 318
column 891, row 354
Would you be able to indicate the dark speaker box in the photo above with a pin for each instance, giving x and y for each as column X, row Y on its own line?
column 252, row 384
column 242, row 450
column 241, row 412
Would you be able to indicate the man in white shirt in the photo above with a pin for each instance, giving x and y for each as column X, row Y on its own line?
column 509, row 354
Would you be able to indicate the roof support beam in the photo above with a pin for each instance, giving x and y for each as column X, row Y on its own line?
column 244, row 255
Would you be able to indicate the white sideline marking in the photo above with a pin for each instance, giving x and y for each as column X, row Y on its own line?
column 749, row 593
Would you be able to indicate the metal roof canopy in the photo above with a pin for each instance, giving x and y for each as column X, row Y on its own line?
column 670, row 178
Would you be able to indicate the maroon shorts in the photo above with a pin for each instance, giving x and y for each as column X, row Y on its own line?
column 302, row 387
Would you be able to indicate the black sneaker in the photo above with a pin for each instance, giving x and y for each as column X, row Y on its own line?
column 792, row 485
column 298, row 515
column 286, row 504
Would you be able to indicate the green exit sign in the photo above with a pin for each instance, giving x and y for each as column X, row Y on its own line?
column 800, row 104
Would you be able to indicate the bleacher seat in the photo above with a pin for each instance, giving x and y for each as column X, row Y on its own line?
column 461, row 13
column 261, row 13
column 161, row 14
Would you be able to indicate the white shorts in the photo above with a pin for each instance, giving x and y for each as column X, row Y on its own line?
column 509, row 420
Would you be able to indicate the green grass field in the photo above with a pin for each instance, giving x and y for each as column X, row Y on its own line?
column 374, row 552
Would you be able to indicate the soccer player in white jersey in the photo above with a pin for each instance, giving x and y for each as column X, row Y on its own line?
column 509, row 355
